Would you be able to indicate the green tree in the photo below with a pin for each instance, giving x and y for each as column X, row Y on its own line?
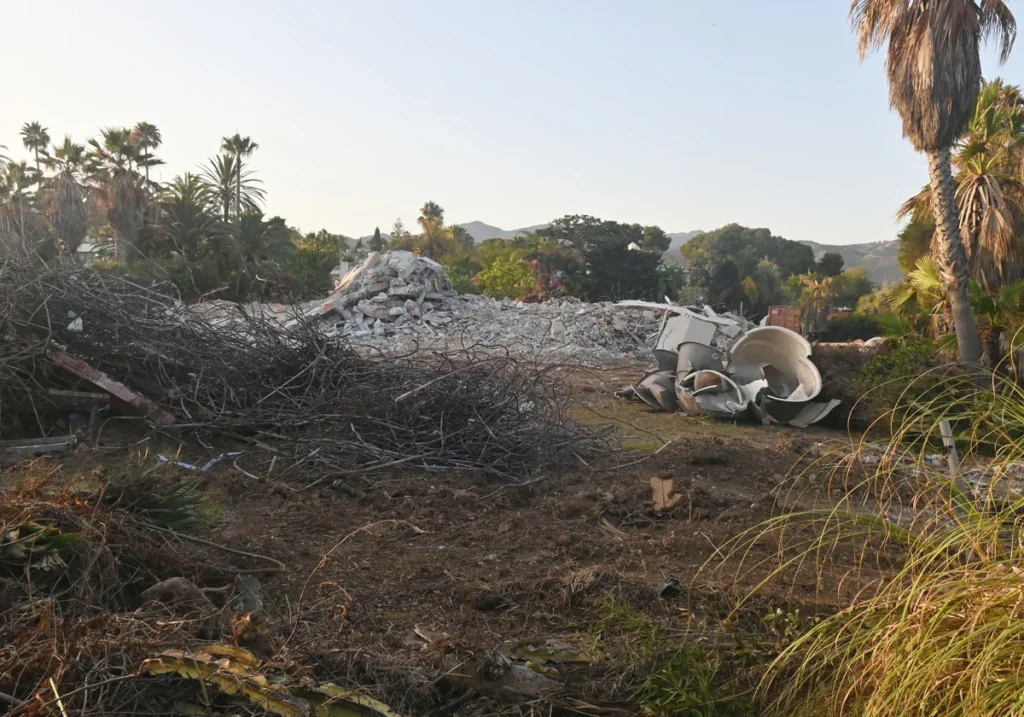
column 315, row 256
column 120, row 189
column 253, row 241
column 435, row 242
column 377, row 243
column 147, row 137
column 461, row 239
column 594, row 259
column 655, row 239
column 65, row 200
column 850, row 285
column 817, row 301
column 830, row 264
column 36, row 139
column 934, row 71
column 915, row 241
column 239, row 147
column 188, row 218
column 506, row 278
column 721, row 259
column 17, row 197
column 222, row 175
column 400, row 237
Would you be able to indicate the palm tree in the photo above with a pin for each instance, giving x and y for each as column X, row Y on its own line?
column 36, row 139
column 188, row 218
column 922, row 298
column 253, row 240
column 65, row 200
column 817, row 298
column 989, row 192
column 240, row 147
column 120, row 189
column 228, row 184
column 15, row 185
column 462, row 239
column 435, row 241
column 146, row 137
column 934, row 71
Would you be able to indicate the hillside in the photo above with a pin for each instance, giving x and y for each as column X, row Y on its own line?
column 880, row 258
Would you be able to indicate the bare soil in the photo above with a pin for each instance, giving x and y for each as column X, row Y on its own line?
column 387, row 580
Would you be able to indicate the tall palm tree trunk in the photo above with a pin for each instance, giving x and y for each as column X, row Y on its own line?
column 949, row 254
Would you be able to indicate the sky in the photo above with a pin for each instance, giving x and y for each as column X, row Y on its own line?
column 682, row 113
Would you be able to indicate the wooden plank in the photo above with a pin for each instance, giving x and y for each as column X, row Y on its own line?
column 115, row 388
column 37, row 446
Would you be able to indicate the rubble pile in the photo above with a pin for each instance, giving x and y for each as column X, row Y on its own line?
column 385, row 291
column 723, row 366
column 401, row 302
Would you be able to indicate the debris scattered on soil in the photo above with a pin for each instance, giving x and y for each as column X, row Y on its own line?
column 722, row 366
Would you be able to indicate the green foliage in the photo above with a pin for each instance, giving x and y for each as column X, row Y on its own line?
column 851, row 328
column 904, row 373
column 687, row 685
column 830, row 264
column 940, row 633
column 377, row 243
column 32, row 545
column 680, row 676
column 461, row 270
column 850, row 285
column 316, row 255
column 722, row 259
column 915, row 241
column 506, row 278
column 594, row 258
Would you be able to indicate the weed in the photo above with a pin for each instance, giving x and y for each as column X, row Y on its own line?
column 941, row 632
column 682, row 674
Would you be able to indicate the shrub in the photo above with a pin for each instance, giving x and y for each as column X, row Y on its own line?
column 506, row 278
column 938, row 629
column 851, row 328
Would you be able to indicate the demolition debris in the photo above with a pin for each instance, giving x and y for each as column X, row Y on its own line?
column 307, row 399
column 723, row 366
column 401, row 302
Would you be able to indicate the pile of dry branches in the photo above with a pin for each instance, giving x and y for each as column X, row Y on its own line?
column 73, row 565
column 318, row 402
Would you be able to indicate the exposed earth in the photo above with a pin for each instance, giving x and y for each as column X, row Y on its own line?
column 396, row 585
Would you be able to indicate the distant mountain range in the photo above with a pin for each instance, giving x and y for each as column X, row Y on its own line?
column 879, row 258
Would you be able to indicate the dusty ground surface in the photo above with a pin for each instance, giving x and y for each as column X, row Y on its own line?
column 393, row 585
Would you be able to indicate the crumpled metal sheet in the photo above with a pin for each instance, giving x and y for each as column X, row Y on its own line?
column 728, row 368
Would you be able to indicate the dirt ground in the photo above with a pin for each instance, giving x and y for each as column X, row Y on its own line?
column 385, row 579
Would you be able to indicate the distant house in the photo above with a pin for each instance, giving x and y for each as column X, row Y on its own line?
column 91, row 251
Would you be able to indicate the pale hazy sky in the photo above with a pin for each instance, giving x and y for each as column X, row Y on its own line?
column 684, row 113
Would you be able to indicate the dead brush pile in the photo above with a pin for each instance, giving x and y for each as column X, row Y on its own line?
column 319, row 402
column 73, row 566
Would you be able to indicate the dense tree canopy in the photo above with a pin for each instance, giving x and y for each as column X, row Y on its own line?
column 721, row 260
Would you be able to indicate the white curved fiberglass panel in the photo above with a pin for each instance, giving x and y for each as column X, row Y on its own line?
column 787, row 352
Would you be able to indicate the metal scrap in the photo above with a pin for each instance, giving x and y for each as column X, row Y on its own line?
column 723, row 366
